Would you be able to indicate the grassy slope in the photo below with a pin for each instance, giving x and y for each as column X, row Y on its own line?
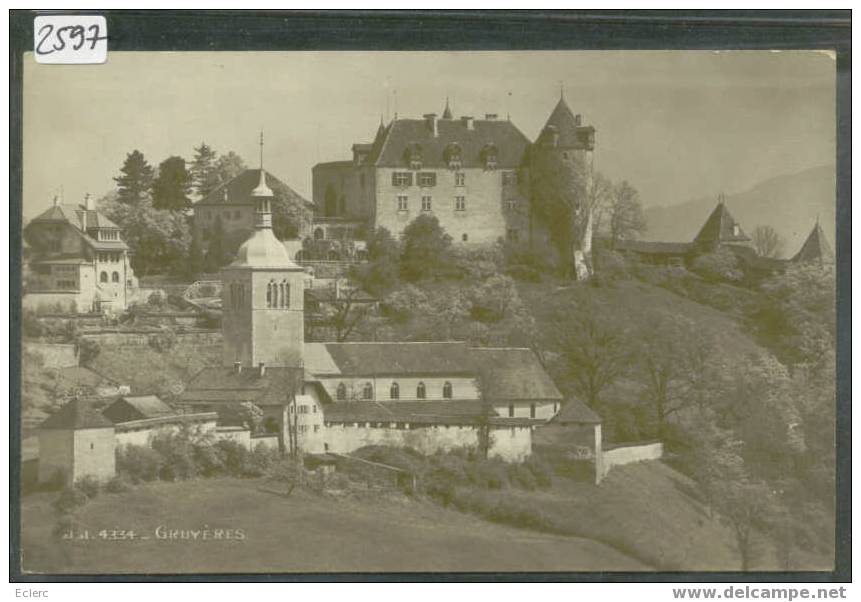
column 304, row 532
column 147, row 370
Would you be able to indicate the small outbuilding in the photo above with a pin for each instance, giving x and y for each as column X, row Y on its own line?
column 76, row 442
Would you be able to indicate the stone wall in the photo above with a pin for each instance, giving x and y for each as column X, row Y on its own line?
column 141, row 337
column 629, row 453
column 94, row 454
column 509, row 443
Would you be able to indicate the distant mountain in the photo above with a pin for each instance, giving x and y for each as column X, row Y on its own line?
column 789, row 203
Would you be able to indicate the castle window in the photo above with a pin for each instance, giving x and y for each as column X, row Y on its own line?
column 368, row 391
column 103, row 277
column 319, row 234
column 284, row 289
column 488, row 156
column 532, row 410
column 511, row 410
column 341, row 393
column 452, row 156
column 427, row 178
column 446, row 390
column 115, row 277
column 460, row 179
column 460, row 203
column 402, row 202
column 426, row 203
column 394, row 391
column 509, row 178
column 402, row 179
column 420, row 391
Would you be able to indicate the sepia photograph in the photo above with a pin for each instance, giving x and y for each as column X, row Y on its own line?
column 479, row 311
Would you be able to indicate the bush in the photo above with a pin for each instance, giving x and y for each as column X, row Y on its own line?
column 235, row 456
column 524, row 273
column 488, row 474
column 139, row 463
column 118, row 484
column 519, row 513
column 720, row 266
column 162, row 341
column 89, row 485
column 260, row 461
column 520, row 476
column 88, row 350
column 541, row 471
column 70, row 499
column 178, row 453
column 156, row 299
column 209, row 459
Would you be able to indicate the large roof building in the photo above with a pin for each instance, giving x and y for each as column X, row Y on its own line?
column 78, row 260
column 471, row 173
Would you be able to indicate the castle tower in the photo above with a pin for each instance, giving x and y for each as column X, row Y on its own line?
column 562, row 153
column 263, row 295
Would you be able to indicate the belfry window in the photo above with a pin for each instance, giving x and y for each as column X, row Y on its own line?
column 115, row 277
column 394, row 391
column 447, row 390
column 103, row 277
column 284, row 294
column 421, row 393
column 368, row 391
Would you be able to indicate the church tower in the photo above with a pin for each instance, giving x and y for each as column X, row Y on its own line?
column 263, row 295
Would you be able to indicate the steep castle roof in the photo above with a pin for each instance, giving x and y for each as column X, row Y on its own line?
column 238, row 191
column 389, row 148
column 567, row 129
column 721, row 227
column 137, row 408
column 84, row 221
column 513, row 374
column 77, row 414
column 815, row 249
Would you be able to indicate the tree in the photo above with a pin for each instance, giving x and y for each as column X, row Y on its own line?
column 596, row 355
column 204, row 173
column 380, row 274
column 229, row 166
column 625, row 213
column 663, row 355
column 767, row 241
column 346, row 312
column 721, row 265
column 135, row 179
column 158, row 239
column 425, row 249
column 494, row 299
column 172, row 186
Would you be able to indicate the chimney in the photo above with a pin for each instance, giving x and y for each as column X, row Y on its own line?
column 88, row 202
column 430, row 120
column 467, row 121
column 262, row 369
column 490, row 116
column 237, row 367
column 578, row 119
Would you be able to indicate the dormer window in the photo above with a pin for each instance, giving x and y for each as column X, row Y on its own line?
column 489, row 156
column 402, row 179
column 453, row 156
column 413, row 156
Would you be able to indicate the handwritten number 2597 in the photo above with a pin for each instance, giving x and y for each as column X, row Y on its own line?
column 76, row 36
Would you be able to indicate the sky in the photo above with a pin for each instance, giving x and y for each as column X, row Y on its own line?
column 676, row 124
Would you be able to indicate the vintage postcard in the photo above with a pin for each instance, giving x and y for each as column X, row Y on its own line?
column 294, row 312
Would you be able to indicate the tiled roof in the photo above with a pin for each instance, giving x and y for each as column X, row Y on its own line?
column 389, row 148
column 815, row 248
column 222, row 385
column 656, row 248
column 575, row 411
column 137, row 408
column 238, row 191
column 77, row 414
column 570, row 135
column 73, row 376
column 513, row 374
column 61, row 260
column 80, row 217
column 388, row 358
column 720, row 227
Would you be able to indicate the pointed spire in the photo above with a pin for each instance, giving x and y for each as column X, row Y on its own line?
column 815, row 248
column 446, row 114
column 262, row 189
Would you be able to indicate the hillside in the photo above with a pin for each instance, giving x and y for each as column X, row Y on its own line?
column 303, row 532
column 789, row 203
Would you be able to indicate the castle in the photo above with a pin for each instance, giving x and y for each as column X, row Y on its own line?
column 323, row 397
column 472, row 174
